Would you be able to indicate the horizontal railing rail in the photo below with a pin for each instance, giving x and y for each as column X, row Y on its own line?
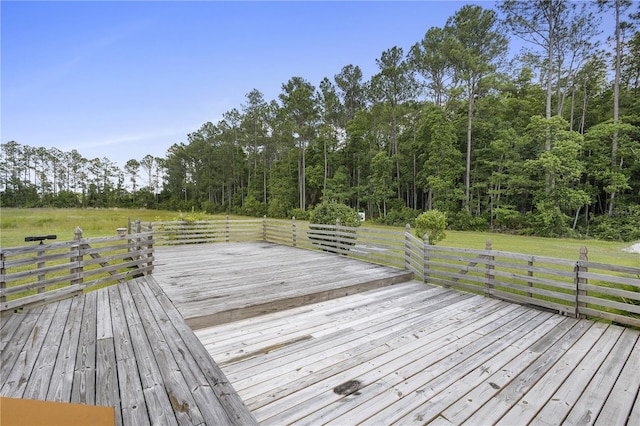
column 42, row 273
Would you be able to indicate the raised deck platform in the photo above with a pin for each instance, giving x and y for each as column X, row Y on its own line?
column 214, row 284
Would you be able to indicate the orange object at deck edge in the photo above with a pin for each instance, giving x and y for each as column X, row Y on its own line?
column 14, row 411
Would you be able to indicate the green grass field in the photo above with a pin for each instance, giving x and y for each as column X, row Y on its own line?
column 15, row 224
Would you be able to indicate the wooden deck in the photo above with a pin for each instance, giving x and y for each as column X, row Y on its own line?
column 213, row 284
column 407, row 353
column 305, row 337
column 125, row 346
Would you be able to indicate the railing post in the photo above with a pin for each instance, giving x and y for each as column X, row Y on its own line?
column 40, row 265
column 336, row 241
column 293, row 231
column 581, row 292
column 489, row 275
column 226, row 230
column 407, row 247
column 264, row 228
column 425, row 264
column 77, row 257
column 150, row 249
column 3, row 281
column 530, row 274
column 137, row 241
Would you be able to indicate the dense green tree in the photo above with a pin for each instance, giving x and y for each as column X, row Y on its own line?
column 132, row 167
column 477, row 48
column 431, row 59
column 300, row 105
column 393, row 86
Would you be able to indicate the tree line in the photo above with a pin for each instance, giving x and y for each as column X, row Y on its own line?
column 546, row 142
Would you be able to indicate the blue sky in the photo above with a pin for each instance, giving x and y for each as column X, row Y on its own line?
column 125, row 79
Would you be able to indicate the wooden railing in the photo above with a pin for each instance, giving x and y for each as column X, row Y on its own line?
column 42, row 273
column 578, row 288
column 205, row 231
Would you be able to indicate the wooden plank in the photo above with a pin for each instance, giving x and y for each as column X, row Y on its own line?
column 120, row 329
column 612, row 279
column 157, row 400
column 619, row 405
column 22, row 357
column 467, row 403
column 612, row 291
column 569, row 392
column 386, row 404
column 39, row 299
column 629, row 307
column 84, row 377
column 539, row 395
column 65, row 279
column 517, row 387
column 107, row 392
column 309, row 337
column 129, row 409
column 337, row 354
column 185, row 410
column 225, row 392
column 372, row 371
column 224, row 337
column 104, row 329
column 594, row 396
column 8, row 326
column 63, row 371
column 134, row 407
column 206, row 400
column 431, row 398
column 634, row 417
column 40, row 378
column 609, row 267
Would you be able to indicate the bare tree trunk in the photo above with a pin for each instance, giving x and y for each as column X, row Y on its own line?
column 616, row 100
column 467, row 176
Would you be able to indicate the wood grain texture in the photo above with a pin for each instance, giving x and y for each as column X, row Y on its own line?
column 420, row 354
column 118, row 347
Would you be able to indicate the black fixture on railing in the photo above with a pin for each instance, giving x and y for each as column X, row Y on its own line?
column 40, row 238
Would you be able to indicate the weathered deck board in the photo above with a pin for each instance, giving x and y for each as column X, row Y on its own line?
column 424, row 354
column 209, row 283
column 124, row 346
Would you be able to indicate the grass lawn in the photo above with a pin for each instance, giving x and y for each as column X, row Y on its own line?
column 15, row 224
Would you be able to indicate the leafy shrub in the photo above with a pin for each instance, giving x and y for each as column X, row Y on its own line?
column 193, row 216
column 433, row 223
column 548, row 221
column 508, row 219
column 253, row 207
column 299, row 214
column 464, row 221
column 328, row 214
column 623, row 226
column 278, row 208
column 400, row 217
column 213, row 208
